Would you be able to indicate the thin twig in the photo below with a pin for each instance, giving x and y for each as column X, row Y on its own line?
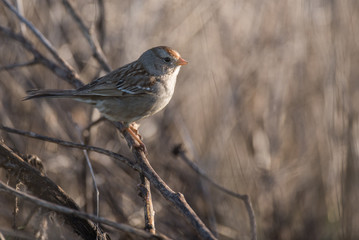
column 88, row 161
column 176, row 198
column 66, row 210
column 85, row 138
column 100, row 23
column 144, row 187
column 96, row 49
column 88, row 127
column 145, row 193
column 17, row 65
column 42, row 38
column 117, row 156
column 63, row 73
column 93, row 181
column 186, row 135
column 178, row 151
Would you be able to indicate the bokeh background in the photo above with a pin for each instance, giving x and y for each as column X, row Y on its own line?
column 267, row 106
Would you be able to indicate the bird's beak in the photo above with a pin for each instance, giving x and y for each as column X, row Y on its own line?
column 181, row 61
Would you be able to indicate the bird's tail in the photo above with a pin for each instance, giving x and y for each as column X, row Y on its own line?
column 49, row 93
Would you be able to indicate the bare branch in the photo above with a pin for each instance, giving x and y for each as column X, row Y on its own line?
column 52, row 193
column 17, row 65
column 101, row 119
column 145, row 193
column 65, row 74
column 117, row 156
column 46, row 189
column 95, row 47
column 176, row 198
column 89, row 164
column 100, row 23
column 70, row 211
column 142, row 165
column 178, row 151
column 42, row 38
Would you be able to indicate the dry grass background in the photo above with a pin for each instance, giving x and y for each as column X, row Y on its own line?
column 267, row 106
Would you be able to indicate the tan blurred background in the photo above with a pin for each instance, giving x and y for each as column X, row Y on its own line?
column 267, row 106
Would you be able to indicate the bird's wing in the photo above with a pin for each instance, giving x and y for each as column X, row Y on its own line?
column 128, row 80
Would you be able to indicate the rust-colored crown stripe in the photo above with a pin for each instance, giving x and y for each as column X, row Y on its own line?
column 172, row 52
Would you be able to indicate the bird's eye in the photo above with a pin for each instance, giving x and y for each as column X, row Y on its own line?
column 167, row 59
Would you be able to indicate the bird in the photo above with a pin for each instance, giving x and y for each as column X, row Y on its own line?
column 129, row 93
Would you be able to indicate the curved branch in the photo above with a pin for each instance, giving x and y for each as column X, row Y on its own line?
column 176, row 198
column 96, row 49
column 178, row 151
